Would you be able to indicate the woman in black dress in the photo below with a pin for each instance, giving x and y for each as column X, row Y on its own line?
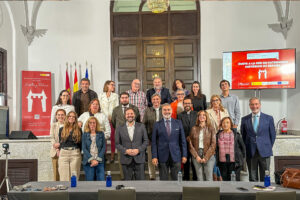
column 198, row 99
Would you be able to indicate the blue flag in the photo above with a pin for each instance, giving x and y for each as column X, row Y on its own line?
column 86, row 73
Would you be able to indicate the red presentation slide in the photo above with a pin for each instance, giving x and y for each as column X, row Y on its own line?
column 261, row 69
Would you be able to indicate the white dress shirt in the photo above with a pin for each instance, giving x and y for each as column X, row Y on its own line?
column 130, row 130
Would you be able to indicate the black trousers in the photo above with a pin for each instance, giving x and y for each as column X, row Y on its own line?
column 187, row 166
column 255, row 163
column 134, row 171
column 164, row 168
column 226, row 169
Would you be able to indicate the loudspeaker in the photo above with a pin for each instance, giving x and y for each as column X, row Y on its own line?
column 16, row 135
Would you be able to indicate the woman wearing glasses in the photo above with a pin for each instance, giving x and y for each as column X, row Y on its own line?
column 63, row 102
column 177, row 105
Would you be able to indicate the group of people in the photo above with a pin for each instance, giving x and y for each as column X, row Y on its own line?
column 176, row 131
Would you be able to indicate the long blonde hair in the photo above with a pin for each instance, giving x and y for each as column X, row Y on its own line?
column 76, row 136
column 221, row 105
column 207, row 122
column 87, row 128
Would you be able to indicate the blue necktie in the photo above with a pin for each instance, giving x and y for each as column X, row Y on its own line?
column 255, row 123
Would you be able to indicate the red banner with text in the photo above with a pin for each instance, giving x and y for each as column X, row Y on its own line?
column 36, row 102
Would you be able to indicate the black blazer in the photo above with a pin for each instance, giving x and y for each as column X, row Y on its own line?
column 187, row 124
column 76, row 101
column 164, row 93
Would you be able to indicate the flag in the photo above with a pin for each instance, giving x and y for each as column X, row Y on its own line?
column 86, row 73
column 75, row 87
column 68, row 83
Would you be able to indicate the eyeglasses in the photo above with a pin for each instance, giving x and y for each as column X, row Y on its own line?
column 180, row 94
column 215, row 100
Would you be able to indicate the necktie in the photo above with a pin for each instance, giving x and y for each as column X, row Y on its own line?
column 255, row 123
column 168, row 127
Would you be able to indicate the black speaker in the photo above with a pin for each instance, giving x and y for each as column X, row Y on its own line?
column 16, row 135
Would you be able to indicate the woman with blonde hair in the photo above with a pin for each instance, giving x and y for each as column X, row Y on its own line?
column 202, row 145
column 216, row 111
column 93, row 147
column 108, row 101
column 60, row 116
column 70, row 143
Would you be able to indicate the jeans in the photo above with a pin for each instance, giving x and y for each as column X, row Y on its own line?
column 204, row 170
column 94, row 173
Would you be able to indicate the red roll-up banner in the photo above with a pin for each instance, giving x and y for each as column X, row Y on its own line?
column 36, row 102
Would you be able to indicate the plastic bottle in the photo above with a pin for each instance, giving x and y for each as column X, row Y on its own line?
column 267, row 182
column 179, row 177
column 73, row 179
column 232, row 176
column 108, row 179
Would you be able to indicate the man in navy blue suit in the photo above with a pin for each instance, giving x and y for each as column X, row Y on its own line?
column 169, row 148
column 259, row 135
column 159, row 89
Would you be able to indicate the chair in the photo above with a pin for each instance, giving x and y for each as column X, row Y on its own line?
column 122, row 194
column 197, row 193
column 49, row 195
column 291, row 195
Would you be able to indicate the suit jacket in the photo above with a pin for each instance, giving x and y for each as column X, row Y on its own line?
column 118, row 117
column 263, row 140
column 140, row 142
column 149, row 120
column 186, row 122
column 214, row 118
column 164, row 93
column 162, row 145
column 76, row 101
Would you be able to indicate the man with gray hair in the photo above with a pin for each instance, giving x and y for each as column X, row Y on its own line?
column 137, row 97
column 159, row 89
column 259, row 135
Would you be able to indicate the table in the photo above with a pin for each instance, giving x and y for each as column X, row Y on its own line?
column 152, row 190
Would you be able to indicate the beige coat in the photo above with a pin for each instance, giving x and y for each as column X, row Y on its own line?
column 214, row 118
column 54, row 130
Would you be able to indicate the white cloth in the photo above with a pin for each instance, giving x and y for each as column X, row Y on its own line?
column 66, row 107
column 103, row 120
column 201, row 139
column 130, row 130
column 157, row 114
column 107, row 104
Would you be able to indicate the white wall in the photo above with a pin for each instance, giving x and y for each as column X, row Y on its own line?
column 78, row 31
column 293, row 106
column 234, row 26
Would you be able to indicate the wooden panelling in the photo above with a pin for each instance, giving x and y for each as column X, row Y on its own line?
column 183, row 24
column 154, row 25
column 286, row 162
column 126, row 25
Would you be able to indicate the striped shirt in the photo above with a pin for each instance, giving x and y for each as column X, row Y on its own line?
column 138, row 99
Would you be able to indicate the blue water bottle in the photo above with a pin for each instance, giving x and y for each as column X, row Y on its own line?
column 267, row 179
column 73, row 179
column 108, row 179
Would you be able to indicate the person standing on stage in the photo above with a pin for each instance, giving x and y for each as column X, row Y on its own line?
column 152, row 114
column 81, row 98
column 118, row 118
column 138, row 97
column 132, row 141
column 259, row 135
column 60, row 116
column 202, row 143
column 230, row 150
column 63, row 102
column 94, row 110
column 198, row 99
column 231, row 103
column 93, row 147
column 108, row 101
column 168, row 145
column 159, row 89
column 69, row 160
column 188, row 118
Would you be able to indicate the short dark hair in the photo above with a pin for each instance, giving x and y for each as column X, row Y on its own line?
column 124, row 93
column 187, row 98
column 129, row 109
column 85, row 79
column 224, row 81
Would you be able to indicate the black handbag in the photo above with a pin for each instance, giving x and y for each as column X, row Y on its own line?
column 278, row 175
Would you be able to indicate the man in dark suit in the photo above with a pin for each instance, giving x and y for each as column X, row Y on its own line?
column 259, row 135
column 118, row 118
column 131, row 141
column 168, row 145
column 159, row 89
column 188, row 118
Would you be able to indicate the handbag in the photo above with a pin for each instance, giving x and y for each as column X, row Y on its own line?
column 278, row 175
column 291, row 178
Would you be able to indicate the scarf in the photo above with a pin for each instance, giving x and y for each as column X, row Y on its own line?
column 226, row 146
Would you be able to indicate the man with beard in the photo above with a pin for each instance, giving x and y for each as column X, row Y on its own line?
column 169, row 148
column 131, row 141
column 188, row 118
column 159, row 89
column 118, row 118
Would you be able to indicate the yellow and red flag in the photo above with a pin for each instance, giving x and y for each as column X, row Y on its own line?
column 68, row 83
column 75, row 87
